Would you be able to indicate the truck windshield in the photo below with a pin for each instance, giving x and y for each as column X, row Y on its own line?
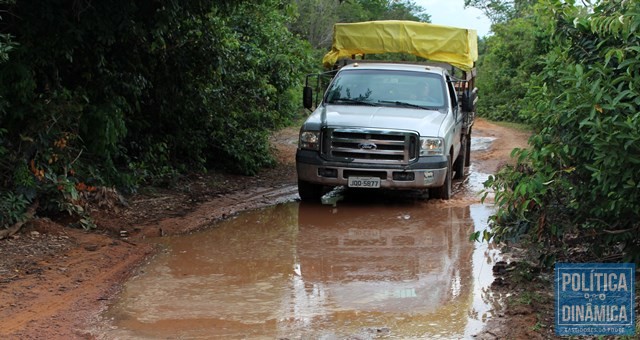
column 387, row 87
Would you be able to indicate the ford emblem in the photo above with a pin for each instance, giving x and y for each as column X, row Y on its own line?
column 367, row 146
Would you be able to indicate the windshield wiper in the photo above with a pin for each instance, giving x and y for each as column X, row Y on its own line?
column 351, row 101
column 405, row 104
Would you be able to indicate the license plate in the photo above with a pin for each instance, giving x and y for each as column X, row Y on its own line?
column 364, row 182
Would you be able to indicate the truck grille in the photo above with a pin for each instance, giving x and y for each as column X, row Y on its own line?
column 370, row 146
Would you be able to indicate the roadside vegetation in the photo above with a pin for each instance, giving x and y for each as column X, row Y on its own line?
column 102, row 96
column 571, row 73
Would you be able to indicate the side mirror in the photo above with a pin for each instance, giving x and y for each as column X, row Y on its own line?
column 307, row 97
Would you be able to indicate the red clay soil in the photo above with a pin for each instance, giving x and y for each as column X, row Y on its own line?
column 55, row 280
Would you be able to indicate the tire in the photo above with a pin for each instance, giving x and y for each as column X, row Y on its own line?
column 309, row 191
column 467, row 158
column 445, row 191
column 461, row 161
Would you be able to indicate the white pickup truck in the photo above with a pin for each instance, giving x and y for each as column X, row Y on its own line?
column 388, row 124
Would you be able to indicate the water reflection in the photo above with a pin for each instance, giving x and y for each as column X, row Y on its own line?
column 404, row 270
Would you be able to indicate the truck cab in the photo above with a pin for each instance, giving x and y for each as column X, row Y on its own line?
column 387, row 125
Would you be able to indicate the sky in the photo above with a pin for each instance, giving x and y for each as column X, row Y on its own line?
column 453, row 13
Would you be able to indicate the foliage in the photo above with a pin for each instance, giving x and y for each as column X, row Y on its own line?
column 365, row 10
column 314, row 21
column 225, row 88
column 316, row 18
column 12, row 207
column 576, row 188
column 501, row 11
column 507, row 59
column 96, row 94
column 101, row 93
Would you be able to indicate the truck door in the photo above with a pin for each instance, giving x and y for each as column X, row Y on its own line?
column 457, row 117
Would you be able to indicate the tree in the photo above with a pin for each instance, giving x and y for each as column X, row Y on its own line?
column 315, row 21
column 509, row 57
column 501, row 11
column 120, row 93
column 316, row 18
column 387, row 10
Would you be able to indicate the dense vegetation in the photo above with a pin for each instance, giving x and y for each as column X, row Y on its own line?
column 509, row 57
column 97, row 94
column 576, row 189
column 119, row 94
column 116, row 93
column 316, row 17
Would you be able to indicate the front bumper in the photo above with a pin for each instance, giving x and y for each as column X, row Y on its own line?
column 426, row 172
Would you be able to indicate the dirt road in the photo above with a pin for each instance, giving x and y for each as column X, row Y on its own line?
column 55, row 281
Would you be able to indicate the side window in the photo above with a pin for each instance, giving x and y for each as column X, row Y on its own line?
column 452, row 93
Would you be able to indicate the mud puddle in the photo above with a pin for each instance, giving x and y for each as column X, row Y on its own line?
column 370, row 266
column 404, row 270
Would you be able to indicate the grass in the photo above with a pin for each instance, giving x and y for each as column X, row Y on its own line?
column 528, row 297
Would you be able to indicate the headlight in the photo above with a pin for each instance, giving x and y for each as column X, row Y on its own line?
column 430, row 146
column 310, row 140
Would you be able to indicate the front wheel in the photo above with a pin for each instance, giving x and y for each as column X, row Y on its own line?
column 445, row 191
column 309, row 191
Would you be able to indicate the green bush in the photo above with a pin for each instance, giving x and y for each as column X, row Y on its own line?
column 577, row 188
column 507, row 60
column 141, row 91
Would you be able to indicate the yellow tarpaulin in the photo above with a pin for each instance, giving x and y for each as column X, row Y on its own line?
column 455, row 46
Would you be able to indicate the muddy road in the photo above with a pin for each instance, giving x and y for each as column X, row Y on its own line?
column 373, row 265
column 361, row 270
